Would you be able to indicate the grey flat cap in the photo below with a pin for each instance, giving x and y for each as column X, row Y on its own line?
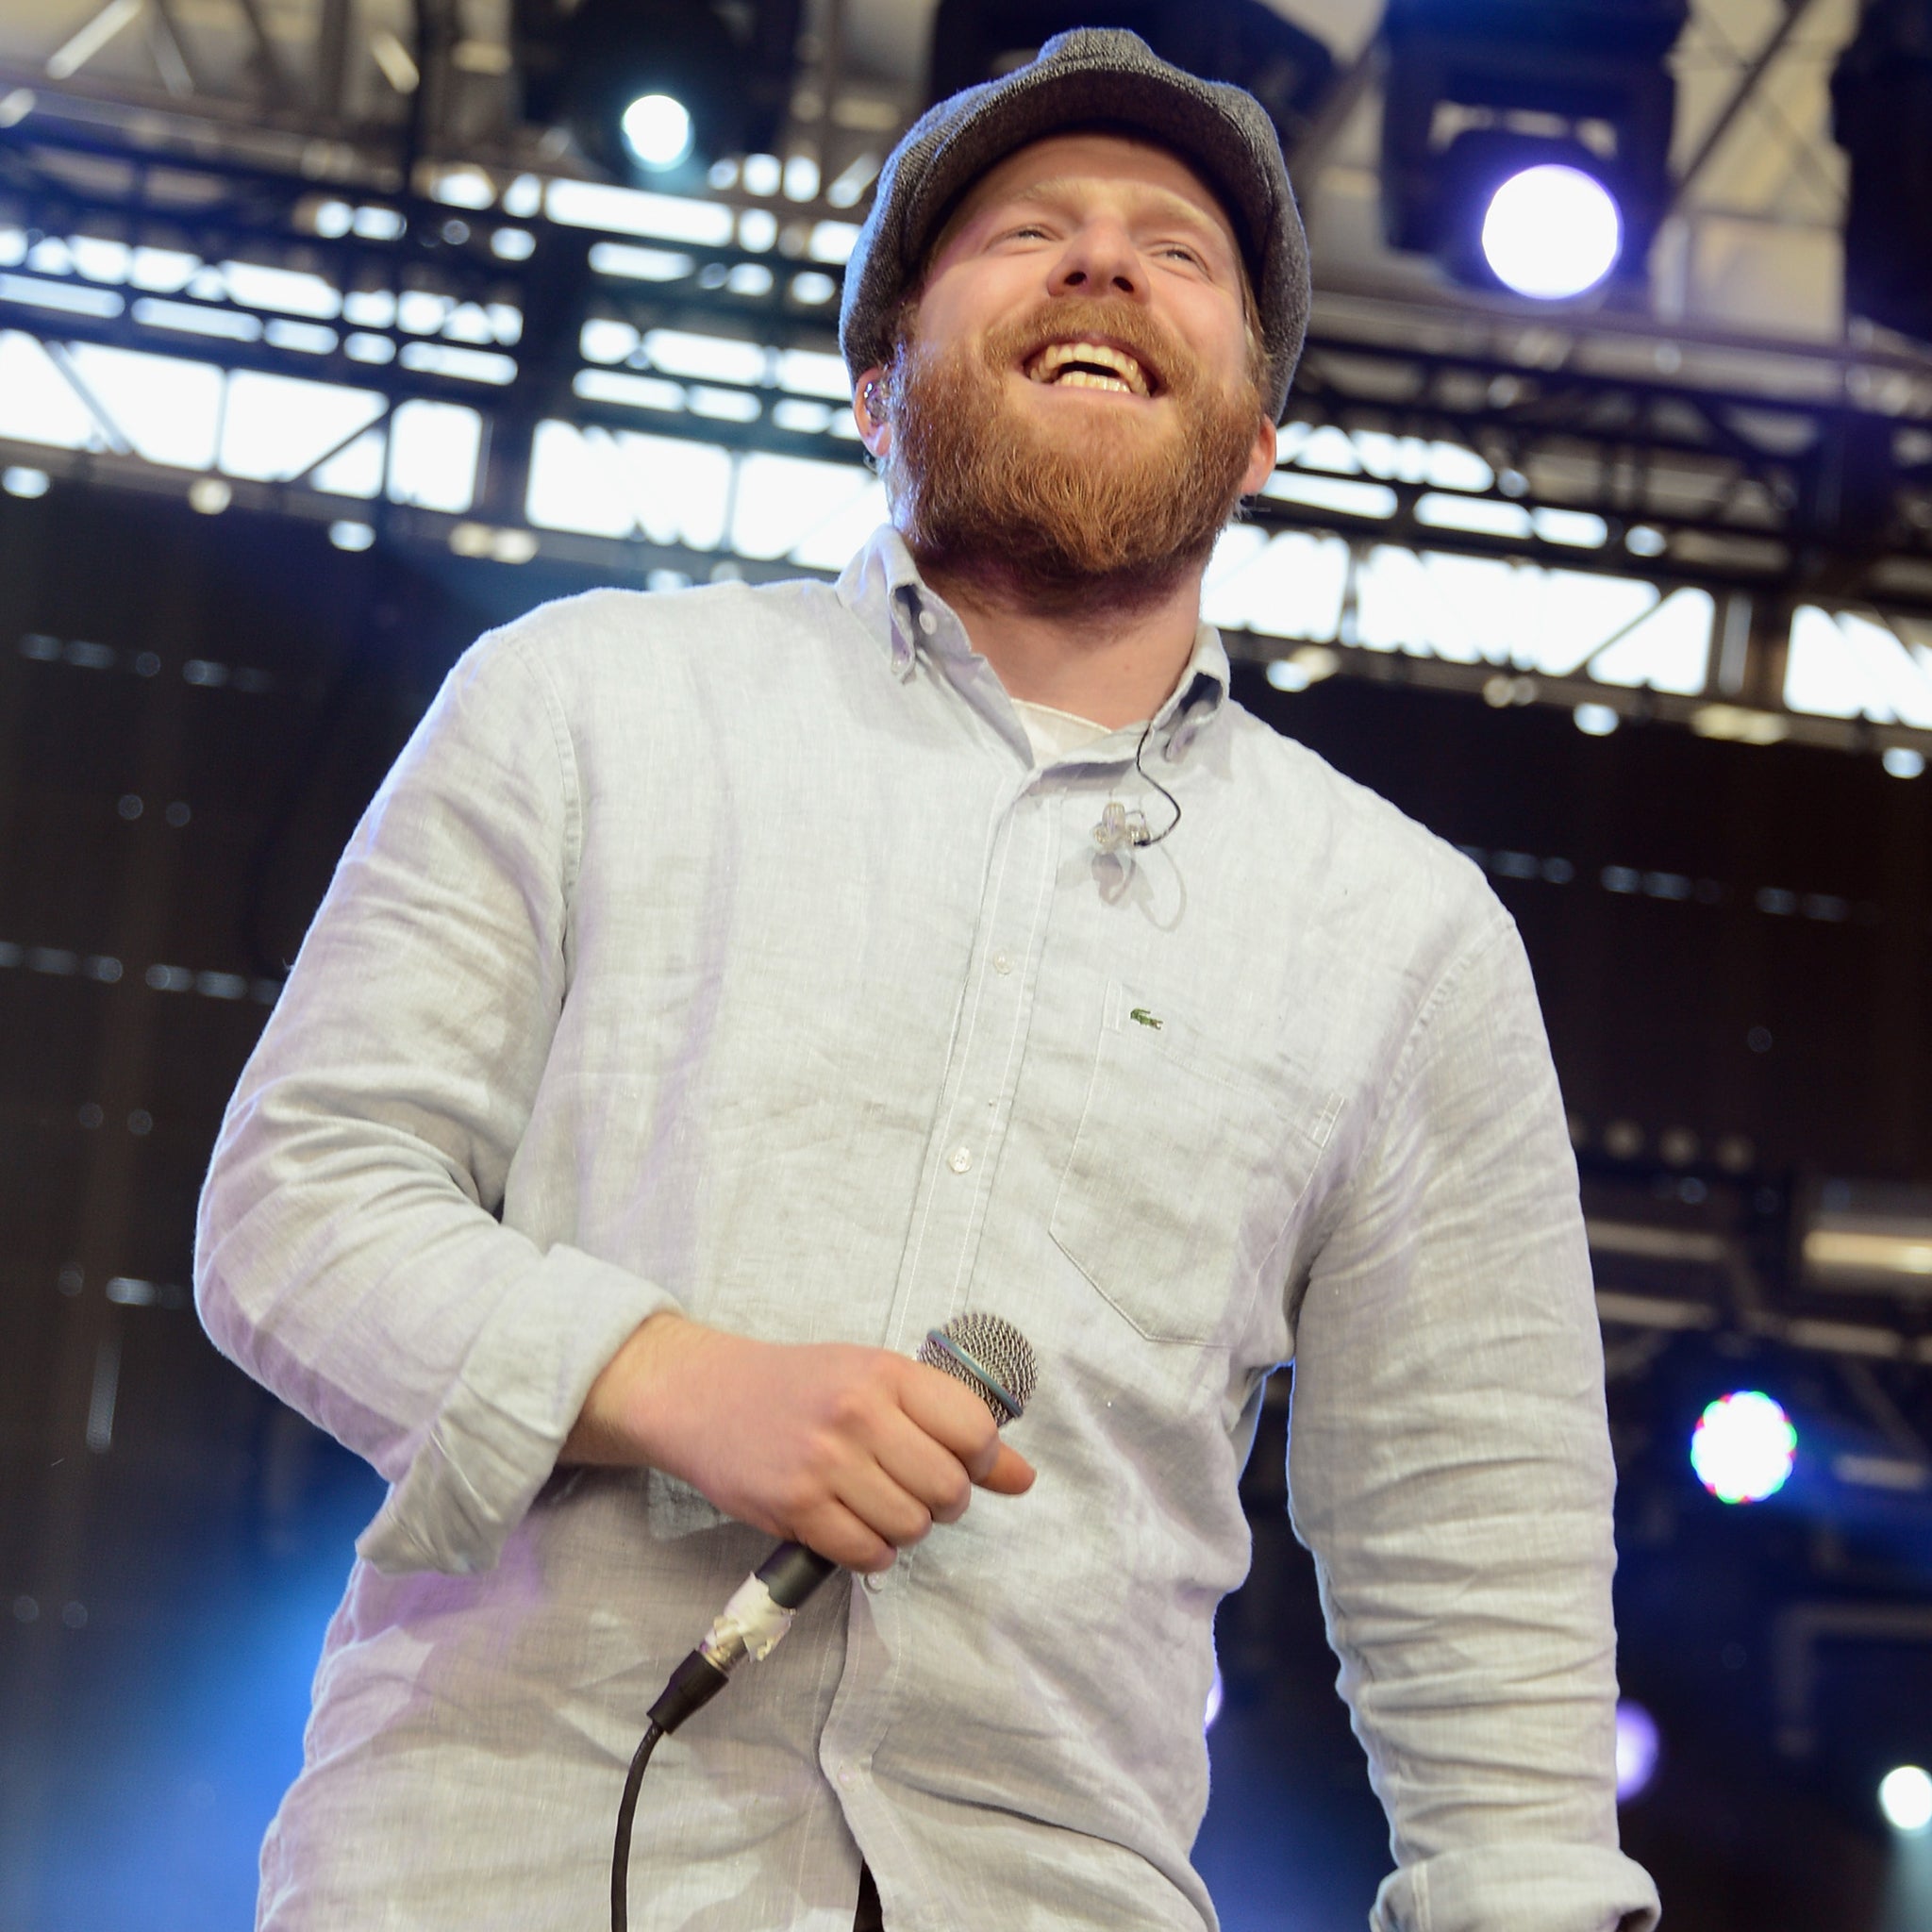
column 1103, row 77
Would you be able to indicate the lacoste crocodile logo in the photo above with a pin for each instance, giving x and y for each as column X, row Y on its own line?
column 1145, row 1018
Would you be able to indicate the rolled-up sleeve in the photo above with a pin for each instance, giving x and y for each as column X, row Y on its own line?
column 349, row 1251
column 1450, row 1470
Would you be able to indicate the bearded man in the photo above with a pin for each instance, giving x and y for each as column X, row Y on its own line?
column 726, row 988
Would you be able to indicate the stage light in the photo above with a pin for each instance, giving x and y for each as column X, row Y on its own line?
column 1637, row 1749
column 1526, row 144
column 1743, row 1446
column 657, row 130
column 658, row 90
column 1552, row 231
column 1904, row 1795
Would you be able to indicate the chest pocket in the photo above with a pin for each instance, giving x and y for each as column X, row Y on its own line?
column 1186, row 1168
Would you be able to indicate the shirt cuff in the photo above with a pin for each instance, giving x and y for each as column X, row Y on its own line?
column 495, row 1441
column 1517, row 1888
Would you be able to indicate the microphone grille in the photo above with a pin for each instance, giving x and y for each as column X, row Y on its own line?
column 989, row 1356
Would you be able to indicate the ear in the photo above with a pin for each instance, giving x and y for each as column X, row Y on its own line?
column 1261, row 459
column 869, row 411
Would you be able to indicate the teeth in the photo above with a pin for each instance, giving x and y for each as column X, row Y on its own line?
column 1086, row 378
column 1046, row 366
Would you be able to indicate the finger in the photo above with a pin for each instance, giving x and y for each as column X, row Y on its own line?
column 949, row 1412
column 1012, row 1474
column 924, row 1468
column 886, row 1507
column 834, row 1531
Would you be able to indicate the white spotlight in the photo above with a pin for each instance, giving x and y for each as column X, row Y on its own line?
column 1905, row 1796
column 657, row 130
column 1552, row 231
column 1743, row 1446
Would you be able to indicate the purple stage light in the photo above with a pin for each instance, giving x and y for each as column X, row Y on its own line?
column 1637, row 1749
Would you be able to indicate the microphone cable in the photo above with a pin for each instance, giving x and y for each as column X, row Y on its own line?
column 626, row 1810
column 1147, row 837
column 994, row 1359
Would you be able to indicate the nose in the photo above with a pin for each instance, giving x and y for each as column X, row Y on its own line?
column 1100, row 260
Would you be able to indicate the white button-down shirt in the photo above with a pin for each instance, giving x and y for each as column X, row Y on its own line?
column 729, row 951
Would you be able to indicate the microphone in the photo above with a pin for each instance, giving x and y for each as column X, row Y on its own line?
column 986, row 1353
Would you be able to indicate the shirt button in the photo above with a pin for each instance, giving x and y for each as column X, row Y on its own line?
column 928, row 622
column 875, row 1580
column 847, row 1777
column 1002, row 963
column 959, row 1160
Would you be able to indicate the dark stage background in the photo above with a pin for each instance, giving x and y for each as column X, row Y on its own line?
column 1731, row 943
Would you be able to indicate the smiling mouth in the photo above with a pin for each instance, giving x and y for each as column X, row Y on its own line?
column 1089, row 365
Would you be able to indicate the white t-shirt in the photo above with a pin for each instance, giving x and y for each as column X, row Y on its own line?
column 1055, row 734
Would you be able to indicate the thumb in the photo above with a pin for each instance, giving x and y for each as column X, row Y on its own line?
column 1012, row 1474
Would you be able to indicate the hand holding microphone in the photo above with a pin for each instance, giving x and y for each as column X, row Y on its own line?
column 980, row 1353
column 892, row 1446
column 854, row 1452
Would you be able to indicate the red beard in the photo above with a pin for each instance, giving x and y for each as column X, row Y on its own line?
column 973, row 482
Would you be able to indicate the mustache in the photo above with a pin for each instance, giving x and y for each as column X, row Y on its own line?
column 1072, row 318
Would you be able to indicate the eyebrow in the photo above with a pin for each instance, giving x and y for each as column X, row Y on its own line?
column 1172, row 207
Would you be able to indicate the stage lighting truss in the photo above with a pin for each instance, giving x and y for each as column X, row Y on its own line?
column 1867, row 1238
column 506, row 362
column 1526, row 142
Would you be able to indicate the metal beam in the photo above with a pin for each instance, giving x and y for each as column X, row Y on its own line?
column 275, row 87
column 1748, row 81
column 1747, row 92
column 103, row 417
column 74, row 52
column 1311, row 151
column 1797, row 1634
column 169, row 52
column 332, row 42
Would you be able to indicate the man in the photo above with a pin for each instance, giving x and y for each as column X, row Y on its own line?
column 726, row 988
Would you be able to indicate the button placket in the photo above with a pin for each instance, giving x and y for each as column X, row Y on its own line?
column 979, row 1082
column 992, row 1042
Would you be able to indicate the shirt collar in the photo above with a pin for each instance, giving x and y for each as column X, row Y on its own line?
column 883, row 590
